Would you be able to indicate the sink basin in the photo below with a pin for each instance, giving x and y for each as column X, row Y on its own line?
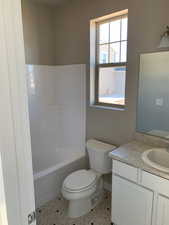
column 157, row 158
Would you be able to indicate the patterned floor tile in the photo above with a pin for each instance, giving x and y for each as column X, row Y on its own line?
column 54, row 213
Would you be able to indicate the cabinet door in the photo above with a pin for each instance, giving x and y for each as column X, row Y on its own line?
column 162, row 211
column 131, row 204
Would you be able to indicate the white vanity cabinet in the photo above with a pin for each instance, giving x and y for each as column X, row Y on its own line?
column 162, row 211
column 131, row 204
column 138, row 197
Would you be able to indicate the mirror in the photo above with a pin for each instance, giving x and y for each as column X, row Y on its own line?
column 153, row 96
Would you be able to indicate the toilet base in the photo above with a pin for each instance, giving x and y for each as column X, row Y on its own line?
column 79, row 207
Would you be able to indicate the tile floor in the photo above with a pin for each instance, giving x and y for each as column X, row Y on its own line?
column 54, row 213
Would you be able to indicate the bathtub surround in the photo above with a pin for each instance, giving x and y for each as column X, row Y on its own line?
column 57, row 123
column 57, row 114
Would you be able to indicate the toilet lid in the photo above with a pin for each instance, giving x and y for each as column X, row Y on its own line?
column 79, row 180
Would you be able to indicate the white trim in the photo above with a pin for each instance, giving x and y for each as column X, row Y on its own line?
column 3, row 210
column 109, row 16
column 15, row 147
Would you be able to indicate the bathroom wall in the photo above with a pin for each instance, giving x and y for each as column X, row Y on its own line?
column 39, row 33
column 147, row 21
column 57, row 110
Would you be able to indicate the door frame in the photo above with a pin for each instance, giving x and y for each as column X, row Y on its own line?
column 16, row 174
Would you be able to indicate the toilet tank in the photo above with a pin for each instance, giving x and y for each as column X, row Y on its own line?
column 98, row 156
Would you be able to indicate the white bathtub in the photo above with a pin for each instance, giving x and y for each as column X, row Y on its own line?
column 63, row 160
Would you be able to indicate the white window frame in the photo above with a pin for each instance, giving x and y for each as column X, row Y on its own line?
column 94, row 58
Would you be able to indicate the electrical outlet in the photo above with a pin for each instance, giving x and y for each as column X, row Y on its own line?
column 159, row 101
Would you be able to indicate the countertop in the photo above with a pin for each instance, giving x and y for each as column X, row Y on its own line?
column 131, row 154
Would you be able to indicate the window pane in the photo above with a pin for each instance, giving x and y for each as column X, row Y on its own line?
column 123, row 51
column 115, row 31
column 115, row 52
column 104, row 33
column 112, row 85
column 103, row 54
column 124, row 28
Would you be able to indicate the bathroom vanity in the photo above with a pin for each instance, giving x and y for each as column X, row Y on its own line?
column 140, row 193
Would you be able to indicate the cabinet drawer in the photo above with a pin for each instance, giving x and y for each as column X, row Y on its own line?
column 155, row 183
column 126, row 171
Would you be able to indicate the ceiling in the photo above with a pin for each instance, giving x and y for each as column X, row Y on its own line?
column 52, row 2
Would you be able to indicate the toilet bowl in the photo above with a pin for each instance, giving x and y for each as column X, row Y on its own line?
column 84, row 188
column 78, row 188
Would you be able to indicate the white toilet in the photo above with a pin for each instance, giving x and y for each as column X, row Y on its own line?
column 84, row 188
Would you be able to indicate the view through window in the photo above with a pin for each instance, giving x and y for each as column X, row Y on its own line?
column 111, row 60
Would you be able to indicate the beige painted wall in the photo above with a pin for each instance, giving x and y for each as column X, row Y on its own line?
column 147, row 20
column 39, row 33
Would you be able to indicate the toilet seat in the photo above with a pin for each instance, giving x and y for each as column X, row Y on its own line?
column 80, row 180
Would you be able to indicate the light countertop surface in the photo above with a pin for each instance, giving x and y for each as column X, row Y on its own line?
column 131, row 154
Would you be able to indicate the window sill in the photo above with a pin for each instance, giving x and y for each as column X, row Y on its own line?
column 107, row 107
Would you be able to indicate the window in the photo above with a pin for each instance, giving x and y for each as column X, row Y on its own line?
column 110, row 60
